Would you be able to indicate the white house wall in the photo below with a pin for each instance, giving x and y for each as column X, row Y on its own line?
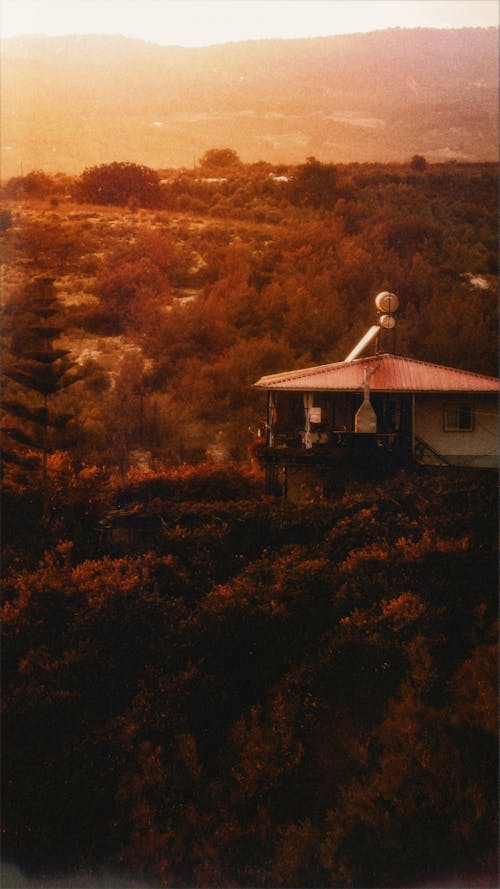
column 476, row 448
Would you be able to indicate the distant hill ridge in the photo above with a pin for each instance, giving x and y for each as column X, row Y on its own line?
column 71, row 102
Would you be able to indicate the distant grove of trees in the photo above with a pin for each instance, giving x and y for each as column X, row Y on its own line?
column 312, row 184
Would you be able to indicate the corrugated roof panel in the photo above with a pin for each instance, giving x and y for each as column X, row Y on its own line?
column 391, row 373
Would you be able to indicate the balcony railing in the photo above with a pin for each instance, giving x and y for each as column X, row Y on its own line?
column 340, row 439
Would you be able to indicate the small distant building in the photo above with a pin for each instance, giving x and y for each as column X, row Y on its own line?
column 374, row 413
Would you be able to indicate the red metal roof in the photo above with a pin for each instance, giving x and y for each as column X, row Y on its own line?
column 390, row 373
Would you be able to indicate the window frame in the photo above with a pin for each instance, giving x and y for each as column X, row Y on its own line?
column 449, row 426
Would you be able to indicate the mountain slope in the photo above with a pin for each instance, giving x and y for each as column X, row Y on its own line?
column 69, row 102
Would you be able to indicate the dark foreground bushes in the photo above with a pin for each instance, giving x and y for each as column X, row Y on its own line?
column 267, row 696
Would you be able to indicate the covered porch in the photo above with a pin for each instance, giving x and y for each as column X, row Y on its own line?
column 310, row 438
column 326, row 421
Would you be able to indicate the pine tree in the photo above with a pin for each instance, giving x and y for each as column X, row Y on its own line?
column 36, row 371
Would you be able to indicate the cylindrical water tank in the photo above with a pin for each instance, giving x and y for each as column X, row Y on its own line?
column 386, row 301
column 387, row 322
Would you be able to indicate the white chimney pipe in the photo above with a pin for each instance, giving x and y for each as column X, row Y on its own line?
column 368, row 337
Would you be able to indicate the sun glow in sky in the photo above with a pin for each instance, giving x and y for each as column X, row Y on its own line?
column 205, row 22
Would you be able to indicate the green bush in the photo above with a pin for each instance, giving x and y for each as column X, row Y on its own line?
column 118, row 184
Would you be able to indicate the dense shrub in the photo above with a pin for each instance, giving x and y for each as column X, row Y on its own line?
column 5, row 219
column 35, row 184
column 205, row 483
column 261, row 691
column 119, row 183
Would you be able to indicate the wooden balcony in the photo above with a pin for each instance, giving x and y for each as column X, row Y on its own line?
column 343, row 454
column 336, row 443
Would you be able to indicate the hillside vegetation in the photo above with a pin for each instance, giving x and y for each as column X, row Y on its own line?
column 72, row 101
column 171, row 313
column 203, row 686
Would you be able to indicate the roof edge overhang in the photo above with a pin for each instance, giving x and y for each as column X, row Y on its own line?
column 375, row 391
column 298, row 372
column 299, row 380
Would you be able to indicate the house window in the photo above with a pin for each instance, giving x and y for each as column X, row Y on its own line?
column 459, row 418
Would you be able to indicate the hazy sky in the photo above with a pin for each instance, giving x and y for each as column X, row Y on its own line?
column 203, row 22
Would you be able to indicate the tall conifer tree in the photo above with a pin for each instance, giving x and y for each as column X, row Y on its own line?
column 36, row 371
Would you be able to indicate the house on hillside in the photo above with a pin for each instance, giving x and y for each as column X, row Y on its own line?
column 373, row 414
